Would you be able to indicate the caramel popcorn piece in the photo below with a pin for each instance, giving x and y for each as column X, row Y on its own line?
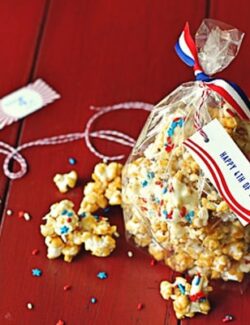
column 98, row 236
column 188, row 299
column 60, row 231
column 65, row 233
column 64, row 182
column 105, row 188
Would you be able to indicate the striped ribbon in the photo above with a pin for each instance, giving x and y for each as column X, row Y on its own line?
column 232, row 93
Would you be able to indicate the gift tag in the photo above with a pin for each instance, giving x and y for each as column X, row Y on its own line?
column 25, row 101
column 224, row 165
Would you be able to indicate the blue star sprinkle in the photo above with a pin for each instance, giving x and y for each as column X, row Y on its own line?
column 151, row 175
column 36, row 272
column 72, row 161
column 181, row 288
column 102, row 275
column 64, row 230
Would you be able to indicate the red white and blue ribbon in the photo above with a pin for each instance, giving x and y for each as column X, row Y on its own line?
column 232, row 93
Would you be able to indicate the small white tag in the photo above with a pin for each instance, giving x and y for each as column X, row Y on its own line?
column 225, row 166
column 25, row 101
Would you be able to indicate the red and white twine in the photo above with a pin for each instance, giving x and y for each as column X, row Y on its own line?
column 197, row 116
column 12, row 153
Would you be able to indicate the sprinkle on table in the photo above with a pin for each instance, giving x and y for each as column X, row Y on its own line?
column 139, row 306
column 35, row 251
column 60, row 322
column 102, row 275
column 153, row 262
column 66, row 287
column 9, row 212
column 20, row 214
column 36, row 272
column 72, row 160
column 93, row 300
column 227, row 318
column 30, row 305
column 130, row 254
column 26, row 216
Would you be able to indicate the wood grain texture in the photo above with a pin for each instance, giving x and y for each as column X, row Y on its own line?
column 93, row 52
column 20, row 23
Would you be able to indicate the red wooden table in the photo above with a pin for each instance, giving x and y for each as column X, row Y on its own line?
column 94, row 53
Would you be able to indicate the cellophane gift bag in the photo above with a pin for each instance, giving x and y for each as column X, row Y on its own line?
column 171, row 209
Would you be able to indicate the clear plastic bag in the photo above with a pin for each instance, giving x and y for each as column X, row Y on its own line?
column 170, row 208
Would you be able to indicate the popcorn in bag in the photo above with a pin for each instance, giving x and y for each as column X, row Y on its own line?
column 185, row 210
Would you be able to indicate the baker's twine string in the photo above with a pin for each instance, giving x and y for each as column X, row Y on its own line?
column 109, row 135
column 197, row 116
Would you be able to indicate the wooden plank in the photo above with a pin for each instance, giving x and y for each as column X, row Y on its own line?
column 94, row 52
column 231, row 298
column 19, row 29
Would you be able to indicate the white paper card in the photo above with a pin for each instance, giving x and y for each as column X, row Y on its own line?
column 225, row 166
column 25, row 101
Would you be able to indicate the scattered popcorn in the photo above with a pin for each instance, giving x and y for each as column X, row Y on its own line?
column 105, row 188
column 93, row 198
column 98, row 236
column 60, row 322
column 65, row 233
column 65, row 181
column 188, row 299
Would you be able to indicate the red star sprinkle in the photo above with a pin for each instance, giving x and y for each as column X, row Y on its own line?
column 139, row 306
column 67, row 287
column 20, row 214
column 60, row 322
column 183, row 212
column 153, row 262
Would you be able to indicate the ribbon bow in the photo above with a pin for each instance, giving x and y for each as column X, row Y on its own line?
column 232, row 93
